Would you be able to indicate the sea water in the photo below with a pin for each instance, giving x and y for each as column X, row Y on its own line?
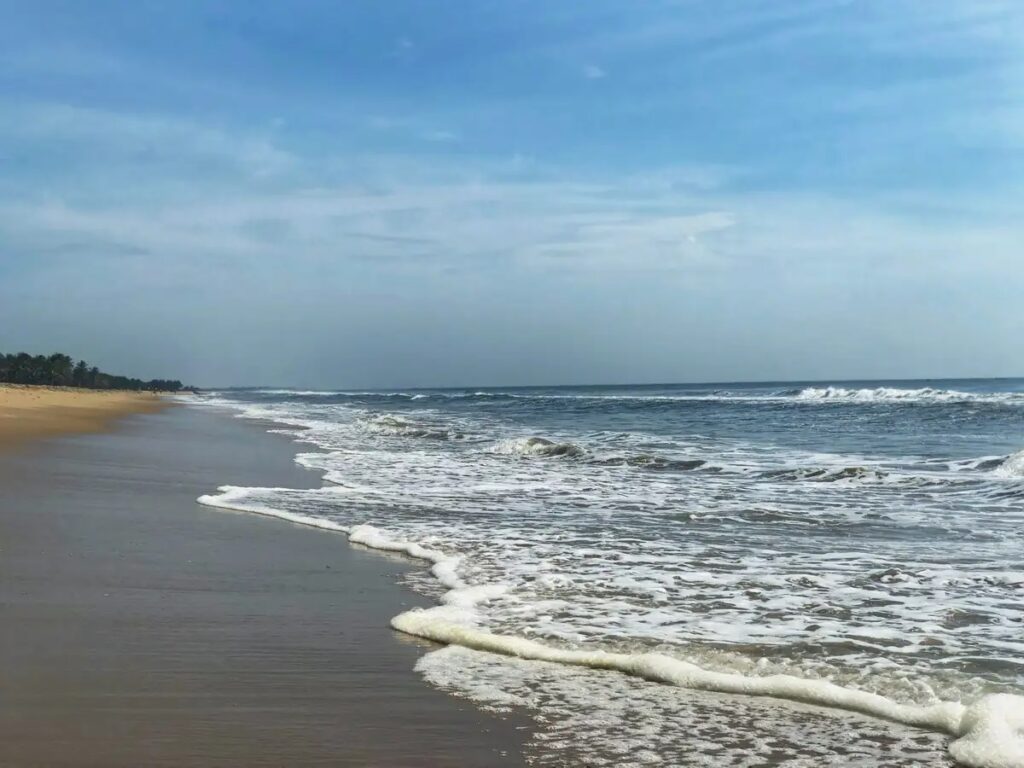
column 734, row 574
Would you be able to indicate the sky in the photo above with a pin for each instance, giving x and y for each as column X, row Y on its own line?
column 412, row 193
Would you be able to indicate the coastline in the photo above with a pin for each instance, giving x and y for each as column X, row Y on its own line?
column 791, row 715
column 29, row 412
column 141, row 628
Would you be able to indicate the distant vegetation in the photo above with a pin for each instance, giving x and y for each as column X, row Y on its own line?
column 59, row 370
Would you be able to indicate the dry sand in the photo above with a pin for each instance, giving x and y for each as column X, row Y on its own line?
column 30, row 412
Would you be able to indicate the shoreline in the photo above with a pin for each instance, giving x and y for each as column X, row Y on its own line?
column 35, row 412
column 144, row 629
column 797, row 701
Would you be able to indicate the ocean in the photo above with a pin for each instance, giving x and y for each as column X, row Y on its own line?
column 724, row 574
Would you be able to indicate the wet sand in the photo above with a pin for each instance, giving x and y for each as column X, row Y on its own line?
column 138, row 628
column 30, row 413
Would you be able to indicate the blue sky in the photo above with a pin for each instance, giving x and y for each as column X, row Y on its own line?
column 425, row 193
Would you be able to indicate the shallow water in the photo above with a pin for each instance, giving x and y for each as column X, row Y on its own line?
column 867, row 534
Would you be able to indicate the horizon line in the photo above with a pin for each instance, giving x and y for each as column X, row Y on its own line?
column 747, row 382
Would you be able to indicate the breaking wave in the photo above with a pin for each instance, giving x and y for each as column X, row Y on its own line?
column 987, row 733
column 652, row 463
column 895, row 394
column 827, row 474
column 537, row 446
column 1012, row 465
column 839, row 557
column 397, row 426
column 805, row 395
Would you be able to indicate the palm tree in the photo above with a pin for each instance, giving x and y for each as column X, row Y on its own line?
column 60, row 366
column 59, row 369
column 80, row 374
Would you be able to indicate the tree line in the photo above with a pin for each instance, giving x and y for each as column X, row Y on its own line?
column 60, row 370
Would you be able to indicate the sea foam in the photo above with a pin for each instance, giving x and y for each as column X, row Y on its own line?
column 597, row 563
column 536, row 446
column 922, row 395
column 1012, row 466
column 988, row 733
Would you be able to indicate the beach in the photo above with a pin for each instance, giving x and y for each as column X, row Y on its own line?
column 31, row 412
column 189, row 590
column 140, row 628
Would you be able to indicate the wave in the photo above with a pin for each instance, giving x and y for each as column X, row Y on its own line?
column 1012, row 466
column 396, row 426
column 653, row 463
column 976, row 726
column 898, row 395
column 296, row 392
column 827, row 474
column 537, row 446
column 811, row 394
column 804, row 395
column 984, row 464
column 987, row 733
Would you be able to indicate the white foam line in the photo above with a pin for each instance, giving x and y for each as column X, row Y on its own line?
column 444, row 566
column 988, row 733
column 229, row 497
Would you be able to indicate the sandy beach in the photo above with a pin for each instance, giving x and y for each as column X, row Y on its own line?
column 140, row 628
column 31, row 412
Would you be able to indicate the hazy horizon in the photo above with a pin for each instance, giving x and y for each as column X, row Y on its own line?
column 386, row 195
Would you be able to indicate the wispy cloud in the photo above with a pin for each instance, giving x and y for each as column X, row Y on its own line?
column 133, row 138
column 744, row 167
column 435, row 215
column 411, row 127
column 441, row 136
column 403, row 49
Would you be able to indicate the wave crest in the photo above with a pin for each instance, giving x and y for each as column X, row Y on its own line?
column 1012, row 465
column 537, row 446
column 895, row 394
column 652, row 463
column 827, row 474
column 396, row 426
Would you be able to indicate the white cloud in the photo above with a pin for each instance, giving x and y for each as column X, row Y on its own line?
column 435, row 215
column 403, row 49
column 437, row 218
column 594, row 72
column 441, row 136
column 140, row 138
column 360, row 241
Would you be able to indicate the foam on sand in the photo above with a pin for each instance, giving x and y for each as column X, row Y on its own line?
column 610, row 720
column 987, row 733
column 234, row 498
